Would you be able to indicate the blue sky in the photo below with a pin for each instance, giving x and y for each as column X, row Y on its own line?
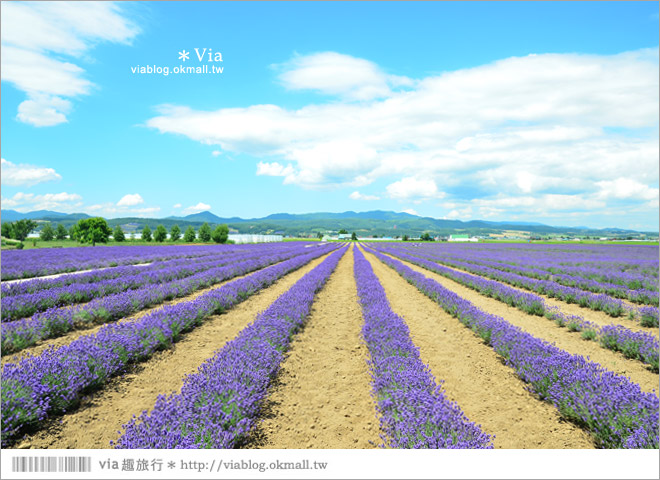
column 532, row 111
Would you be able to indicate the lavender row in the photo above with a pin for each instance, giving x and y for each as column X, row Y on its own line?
column 647, row 316
column 24, row 305
column 640, row 346
column 47, row 261
column 36, row 284
column 414, row 410
column 23, row 333
column 648, row 296
column 614, row 409
column 219, row 405
column 606, row 263
column 643, row 293
column 54, row 382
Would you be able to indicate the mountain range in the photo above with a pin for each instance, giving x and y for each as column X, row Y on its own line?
column 376, row 222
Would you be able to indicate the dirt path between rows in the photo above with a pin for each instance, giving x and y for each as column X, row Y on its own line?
column 599, row 318
column 547, row 330
column 100, row 416
column 474, row 376
column 322, row 397
column 77, row 272
column 69, row 337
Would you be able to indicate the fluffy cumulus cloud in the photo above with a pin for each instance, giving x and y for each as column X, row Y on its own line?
column 63, row 202
column 532, row 135
column 26, row 175
column 626, row 188
column 200, row 207
column 43, row 44
column 273, row 169
column 411, row 187
column 360, row 196
column 332, row 73
column 113, row 210
column 130, row 200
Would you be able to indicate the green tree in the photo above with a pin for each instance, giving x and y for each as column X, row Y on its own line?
column 47, row 233
column 92, row 230
column 74, row 232
column 7, row 230
column 60, row 232
column 204, row 233
column 221, row 234
column 160, row 234
column 426, row 237
column 118, row 234
column 189, row 236
column 343, row 231
column 22, row 228
column 175, row 233
column 353, row 237
column 405, row 238
column 320, row 236
column 146, row 233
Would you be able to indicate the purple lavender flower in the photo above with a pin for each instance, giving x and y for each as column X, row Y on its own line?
column 414, row 410
column 54, row 381
column 612, row 407
column 20, row 334
column 219, row 405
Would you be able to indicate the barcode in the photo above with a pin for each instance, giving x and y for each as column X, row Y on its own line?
column 51, row 464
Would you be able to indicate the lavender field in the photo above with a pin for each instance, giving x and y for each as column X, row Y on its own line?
column 331, row 345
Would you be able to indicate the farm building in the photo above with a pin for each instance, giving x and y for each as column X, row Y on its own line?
column 462, row 238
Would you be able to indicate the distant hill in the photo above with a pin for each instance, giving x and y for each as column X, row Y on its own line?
column 377, row 222
column 199, row 217
column 13, row 215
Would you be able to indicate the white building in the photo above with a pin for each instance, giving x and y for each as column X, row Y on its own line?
column 249, row 238
column 462, row 238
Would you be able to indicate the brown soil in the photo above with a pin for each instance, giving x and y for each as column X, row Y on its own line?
column 474, row 376
column 322, row 398
column 547, row 330
column 599, row 318
column 69, row 337
column 101, row 415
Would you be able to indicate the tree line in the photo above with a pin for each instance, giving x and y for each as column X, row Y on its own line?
column 96, row 230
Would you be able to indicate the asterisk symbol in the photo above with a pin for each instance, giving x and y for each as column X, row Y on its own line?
column 171, row 465
column 184, row 55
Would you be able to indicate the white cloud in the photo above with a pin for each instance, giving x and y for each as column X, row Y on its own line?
column 337, row 74
column 72, row 202
column 50, row 201
column 273, row 169
column 460, row 214
column 411, row 211
column 626, row 188
column 115, row 210
column 200, row 207
column 26, row 175
column 216, row 153
column 35, row 38
column 548, row 124
column 410, row 187
column 130, row 200
column 43, row 111
column 178, row 205
column 359, row 196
